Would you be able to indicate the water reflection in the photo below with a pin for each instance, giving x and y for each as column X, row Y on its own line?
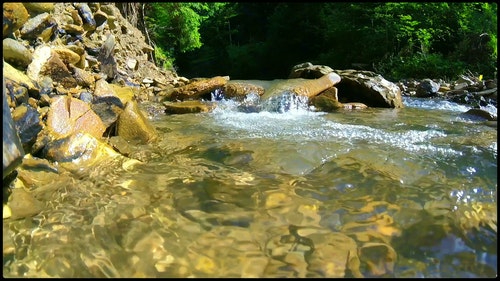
column 375, row 193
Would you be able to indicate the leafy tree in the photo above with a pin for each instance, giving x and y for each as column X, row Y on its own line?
column 264, row 40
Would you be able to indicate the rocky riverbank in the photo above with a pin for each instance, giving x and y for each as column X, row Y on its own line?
column 76, row 77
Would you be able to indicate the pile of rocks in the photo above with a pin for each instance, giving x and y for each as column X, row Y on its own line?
column 73, row 72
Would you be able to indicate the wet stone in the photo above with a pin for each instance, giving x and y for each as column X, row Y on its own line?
column 132, row 125
column 27, row 121
column 108, row 109
column 15, row 53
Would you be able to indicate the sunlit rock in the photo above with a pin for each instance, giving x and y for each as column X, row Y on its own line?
column 198, row 89
column 235, row 89
column 327, row 100
column 368, row 88
column 302, row 87
column 17, row 77
column 81, row 149
column 68, row 115
column 105, row 89
column 35, row 8
column 58, row 71
column 132, row 125
column 67, row 56
column 124, row 93
column 41, row 26
column 16, row 53
column 14, row 16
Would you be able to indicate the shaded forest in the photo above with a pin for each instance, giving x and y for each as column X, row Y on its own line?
column 264, row 40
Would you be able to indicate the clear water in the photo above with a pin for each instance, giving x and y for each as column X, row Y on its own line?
column 279, row 191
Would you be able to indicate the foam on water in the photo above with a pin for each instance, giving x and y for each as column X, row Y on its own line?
column 299, row 123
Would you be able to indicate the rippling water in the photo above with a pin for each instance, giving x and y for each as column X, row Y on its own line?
column 289, row 192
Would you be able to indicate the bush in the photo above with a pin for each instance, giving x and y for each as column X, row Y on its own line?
column 420, row 66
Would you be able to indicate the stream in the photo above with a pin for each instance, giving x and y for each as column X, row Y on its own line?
column 281, row 191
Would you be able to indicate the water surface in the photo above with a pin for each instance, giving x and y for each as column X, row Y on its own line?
column 282, row 191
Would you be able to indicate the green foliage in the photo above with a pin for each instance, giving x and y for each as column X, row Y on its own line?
column 164, row 59
column 175, row 25
column 420, row 66
column 400, row 39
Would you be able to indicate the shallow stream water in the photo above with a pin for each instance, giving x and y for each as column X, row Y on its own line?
column 280, row 192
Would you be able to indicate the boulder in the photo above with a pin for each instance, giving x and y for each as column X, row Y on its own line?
column 368, row 88
column 132, row 125
column 68, row 115
column 198, row 89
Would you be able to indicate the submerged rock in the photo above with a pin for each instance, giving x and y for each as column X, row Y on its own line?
column 187, row 107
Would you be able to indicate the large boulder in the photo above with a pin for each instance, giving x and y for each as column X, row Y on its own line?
column 368, row 88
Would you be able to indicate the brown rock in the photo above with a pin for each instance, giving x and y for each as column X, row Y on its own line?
column 69, row 115
column 240, row 89
column 16, row 53
column 18, row 77
column 198, row 89
column 35, row 8
column 66, row 55
column 58, row 71
column 481, row 113
column 327, row 101
column 132, row 125
column 14, row 16
column 302, row 87
column 369, row 88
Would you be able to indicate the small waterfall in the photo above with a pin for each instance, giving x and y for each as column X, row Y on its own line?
column 283, row 103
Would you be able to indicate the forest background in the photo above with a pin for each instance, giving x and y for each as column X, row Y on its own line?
column 264, row 40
